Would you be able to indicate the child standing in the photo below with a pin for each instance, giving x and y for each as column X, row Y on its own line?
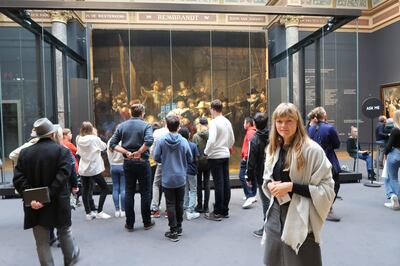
column 203, row 168
column 173, row 151
column 191, row 178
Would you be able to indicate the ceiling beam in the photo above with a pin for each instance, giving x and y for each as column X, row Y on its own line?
column 172, row 7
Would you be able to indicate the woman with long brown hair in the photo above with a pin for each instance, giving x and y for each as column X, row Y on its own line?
column 298, row 181
column 91, row 165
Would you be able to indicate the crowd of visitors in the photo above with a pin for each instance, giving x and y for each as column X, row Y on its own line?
column 294, row 169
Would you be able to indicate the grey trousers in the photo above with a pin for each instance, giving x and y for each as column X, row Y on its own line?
column 42, row 237
column 155, row 201
column 278, row 253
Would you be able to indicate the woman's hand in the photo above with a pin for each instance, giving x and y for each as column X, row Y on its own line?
column 279, row 189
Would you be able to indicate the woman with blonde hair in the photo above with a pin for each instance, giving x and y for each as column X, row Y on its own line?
column 392, row 153
column 91, row 165
column 298, row 181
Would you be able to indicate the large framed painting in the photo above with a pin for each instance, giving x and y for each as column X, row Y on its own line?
column 390, row 95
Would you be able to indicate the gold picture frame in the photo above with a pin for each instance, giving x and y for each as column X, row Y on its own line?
column 390, row 96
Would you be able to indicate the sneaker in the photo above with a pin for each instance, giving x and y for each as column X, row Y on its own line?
column 244, row 198
column 165, row 214
column 249, row 201
column 90, row 216
column 103, row 215
column 128, row 228
column 172, row 236
column 155, row 214
column 117, row 214
column 122, row 214
column 258, row 233
column 179, row 231
column 332, row 217
column 213, row 217
column 192, row 215
column 395, row 201
column 149, row 226
column 199, row 209
column 75, row 257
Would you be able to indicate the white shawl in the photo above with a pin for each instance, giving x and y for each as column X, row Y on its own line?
column 305, row 213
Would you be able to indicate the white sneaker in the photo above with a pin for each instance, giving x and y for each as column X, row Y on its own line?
column 90, row 216
column 244, row 198
column 394, row 200
column 192, row 215
column 117, row 214
column 102, row 215
column 248, row 202
column 122, row 214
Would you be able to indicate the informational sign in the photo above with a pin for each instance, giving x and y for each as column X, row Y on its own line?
column 177, row 17
column 247, row 19
column 372, row 107
column 101, row 16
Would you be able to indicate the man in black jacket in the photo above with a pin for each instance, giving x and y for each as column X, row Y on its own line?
column 47, row 164
column 255, row 161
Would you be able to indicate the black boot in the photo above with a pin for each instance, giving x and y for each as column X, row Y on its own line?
column 371, row 175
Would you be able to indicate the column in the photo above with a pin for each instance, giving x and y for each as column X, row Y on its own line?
column 59, row 21
column 292, row 37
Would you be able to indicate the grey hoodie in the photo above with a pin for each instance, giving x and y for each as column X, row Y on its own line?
column 173, row 151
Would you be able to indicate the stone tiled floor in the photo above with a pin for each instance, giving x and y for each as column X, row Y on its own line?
column 367, row 235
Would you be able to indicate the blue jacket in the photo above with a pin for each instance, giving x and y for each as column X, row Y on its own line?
column 327, row 137
column 192, row 166
column 380, row 134
column 132, row 134
column 173, row 151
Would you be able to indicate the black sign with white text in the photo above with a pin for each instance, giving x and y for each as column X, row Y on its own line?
column 372, row 107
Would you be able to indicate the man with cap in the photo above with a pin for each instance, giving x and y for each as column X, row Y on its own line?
column 47, row 164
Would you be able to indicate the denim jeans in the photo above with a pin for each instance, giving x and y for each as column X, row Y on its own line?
column 118, row 179
column 174, row 199
column 137, row 171
column 386, row 181
column 157, row 191
column 367, row 158
column 220, row 172
column 248, row 191
column 43, row 248
column 381, row 150
column 190, row 193
column 393, row 165
column 203, row 182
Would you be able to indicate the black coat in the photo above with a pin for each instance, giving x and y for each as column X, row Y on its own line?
column 256, row 156
column 45, row 163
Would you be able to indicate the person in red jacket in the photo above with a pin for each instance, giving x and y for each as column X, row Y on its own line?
column 67, row 137
column 249, row 192
column 66, row 142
